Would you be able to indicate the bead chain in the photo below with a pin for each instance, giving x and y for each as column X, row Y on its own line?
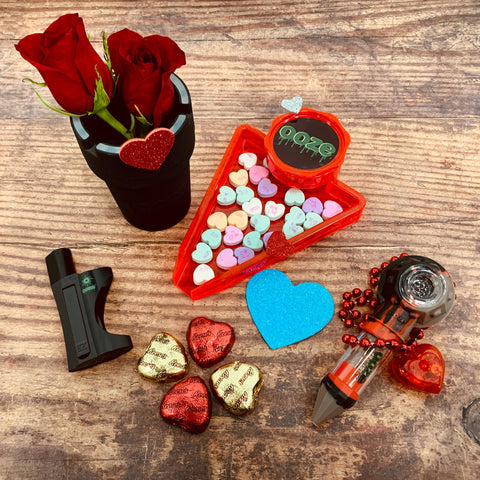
column 368, row 299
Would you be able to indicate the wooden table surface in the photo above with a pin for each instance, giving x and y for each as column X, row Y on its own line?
column 403, row 77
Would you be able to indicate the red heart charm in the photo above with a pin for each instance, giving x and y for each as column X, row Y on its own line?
column 278, row 245
column 187, row 405
column 422, row 369
column 149, row 152
column 209, row 341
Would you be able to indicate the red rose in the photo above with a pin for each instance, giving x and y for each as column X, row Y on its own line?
column 143, row 67
column 68, row 63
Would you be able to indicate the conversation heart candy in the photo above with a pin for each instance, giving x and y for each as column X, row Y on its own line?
column 202, row 253
column 256, row 173
column 187, row 405
column 233, row 236
column 278, row 245
column 290, row 229
column 295, row 215
column 312, row 219
column 243, row 254
column 202, row 274
column 212, row 237
column 237, row 385
column 217, row 220
column 244, row 194
column 209, row 342
column 252, row 240
column 238, row 178
column 294, row 196
column 312, row 204
column 274, row 211
column 226, row 196
column 226, row 259
column 247, row 160
column 267, row 189
column 164, row 360
column 239, row 219
column 261, row 223
column 330, row 209
column 253, row 207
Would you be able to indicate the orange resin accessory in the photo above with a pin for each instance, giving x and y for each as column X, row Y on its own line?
column 302, row 155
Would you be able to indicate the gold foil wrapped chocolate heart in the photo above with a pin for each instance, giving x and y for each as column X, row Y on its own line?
column 164, row 360
column 237, row 386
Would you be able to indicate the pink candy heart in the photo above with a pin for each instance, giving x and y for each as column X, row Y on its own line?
column 330, row 209
column 226, row 259
column 256, row 173
column 233, row 236
column 266, row 189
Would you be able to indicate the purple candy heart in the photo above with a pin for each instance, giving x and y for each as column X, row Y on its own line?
column 312, row 204
column 266, row 189
column 243, row 254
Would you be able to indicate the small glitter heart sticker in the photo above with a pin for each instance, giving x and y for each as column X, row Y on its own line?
column 149, row 152
column 293, row 105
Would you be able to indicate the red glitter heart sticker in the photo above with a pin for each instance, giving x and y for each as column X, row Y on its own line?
column 187, row 405
column 278, row 245
column 209, row 341
column 422, row 369
column 149, row 152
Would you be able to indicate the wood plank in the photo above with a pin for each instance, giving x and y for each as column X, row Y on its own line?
column 402, row 76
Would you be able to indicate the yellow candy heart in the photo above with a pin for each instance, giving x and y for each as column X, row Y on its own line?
column 239, row 178
column 238, row 219
column 217, row 220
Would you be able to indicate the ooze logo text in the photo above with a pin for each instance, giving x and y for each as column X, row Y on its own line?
column 306, row 142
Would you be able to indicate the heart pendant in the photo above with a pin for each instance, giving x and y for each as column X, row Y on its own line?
column 209, row 341
column 187, row 405
column 422, row 369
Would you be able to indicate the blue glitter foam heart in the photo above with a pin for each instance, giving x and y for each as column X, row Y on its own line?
column 293, row 105
column 284, row 313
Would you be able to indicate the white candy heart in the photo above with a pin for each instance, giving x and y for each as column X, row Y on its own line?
column 202, row 274
column 252, row 207
column 247, row 160
column 273, row 210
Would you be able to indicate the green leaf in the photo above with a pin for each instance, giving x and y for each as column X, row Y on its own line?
column 108, row 60
column 101, row 99
column 142, row 119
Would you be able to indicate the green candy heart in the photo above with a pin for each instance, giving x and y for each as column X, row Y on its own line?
column 261, row 223
column 294, row 196
column 312, row 219
column 226, row 196
column 202, row 254
column 212, row 237
column 244, row 194
column 252, row 240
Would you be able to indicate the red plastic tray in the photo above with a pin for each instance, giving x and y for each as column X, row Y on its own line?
column 249, row 139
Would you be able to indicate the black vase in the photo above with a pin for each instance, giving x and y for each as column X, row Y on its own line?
column 149, row 199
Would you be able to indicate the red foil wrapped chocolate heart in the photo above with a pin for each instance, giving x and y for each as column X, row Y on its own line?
column 209, row 341
column 187, row 405
column 422, row 369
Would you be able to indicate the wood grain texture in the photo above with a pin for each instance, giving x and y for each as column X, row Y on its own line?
column 403, row 77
